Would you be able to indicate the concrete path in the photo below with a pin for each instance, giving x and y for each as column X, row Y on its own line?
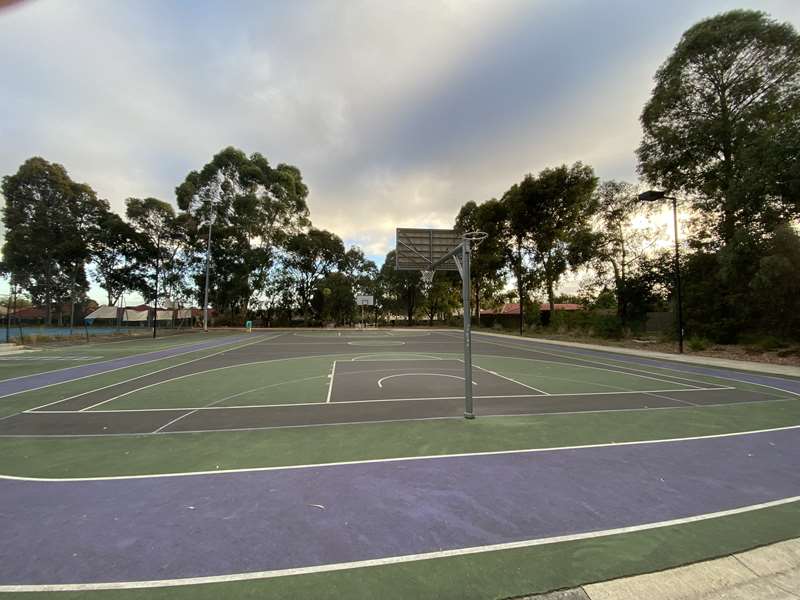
column 171, row 527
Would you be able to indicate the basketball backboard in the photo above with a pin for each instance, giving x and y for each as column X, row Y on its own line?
column 418, row 249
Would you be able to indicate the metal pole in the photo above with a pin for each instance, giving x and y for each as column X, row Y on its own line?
column 678, row 275
column 465, row 276
column 8, row 314
column 208, row 260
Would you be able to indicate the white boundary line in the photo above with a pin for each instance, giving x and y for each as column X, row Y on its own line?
column 365, row 344
column 330, row 384
column 393, row 560
column 307, row 357
column 496, row 374
column 375, row 400
column 144, row 387
column 382, row 379
column 382, row 421
column 98, row 363
column 406, row 458
column 362, row 357
column 574, row 356
column 138, row 376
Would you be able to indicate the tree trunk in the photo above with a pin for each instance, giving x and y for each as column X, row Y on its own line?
column 519, row 288
column 72, row 299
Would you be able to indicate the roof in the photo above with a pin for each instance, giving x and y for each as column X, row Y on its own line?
column 512, row 308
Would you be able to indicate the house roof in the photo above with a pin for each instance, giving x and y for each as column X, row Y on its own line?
column 512, row 308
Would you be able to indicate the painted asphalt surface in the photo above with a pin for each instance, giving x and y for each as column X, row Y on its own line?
column 346, row 406
column 203, row 525
column 38, row 380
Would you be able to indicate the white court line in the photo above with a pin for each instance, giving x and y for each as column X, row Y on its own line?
column 264, row 339
column 676, row 368
column 393, row 560
column 138, row 376
column 330, row 384
column 416, row 399
column 362, row 357
column 379, row 421
column 496, row 374
column 382, row 379
column 100, row 362
column 408, row 458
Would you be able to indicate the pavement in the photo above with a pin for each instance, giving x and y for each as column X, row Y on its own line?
column 768, row 573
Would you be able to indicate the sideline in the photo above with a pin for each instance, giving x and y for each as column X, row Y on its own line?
column 67, row 480
column 727, row 363
column 391, row 560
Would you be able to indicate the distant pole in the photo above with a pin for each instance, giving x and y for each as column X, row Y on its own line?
column 155, row 303
column 8, row 314
column 208, row 261
column 465, row 290
column 678, row 275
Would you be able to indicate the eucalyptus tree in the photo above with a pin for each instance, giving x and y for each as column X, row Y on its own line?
column 400, row 290
column 549, row 225
column 158, row 232
column 311, row 256
column 50, row 222
column 489, row 259
column 255, row 209
column 723, row 123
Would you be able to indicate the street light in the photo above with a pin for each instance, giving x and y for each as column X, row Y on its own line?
column 208, row 260
column 655, row 196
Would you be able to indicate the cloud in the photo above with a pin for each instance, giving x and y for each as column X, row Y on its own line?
column 396, row 112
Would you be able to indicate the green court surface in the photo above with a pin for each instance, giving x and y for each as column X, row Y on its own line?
column 279, row 399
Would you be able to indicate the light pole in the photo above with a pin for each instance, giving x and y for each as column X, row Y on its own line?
column 211, row 220
column 654, row 196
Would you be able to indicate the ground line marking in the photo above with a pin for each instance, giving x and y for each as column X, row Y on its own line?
column 330, row 383
column 86, row 408
column 390, row 560
column 95, row 374
column 496, row 374
column 382, row 379
column 426, row 398
column 573, row 355
column 404, row 458
column 372, row 422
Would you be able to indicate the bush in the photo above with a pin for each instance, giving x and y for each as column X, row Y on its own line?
column 697, row 343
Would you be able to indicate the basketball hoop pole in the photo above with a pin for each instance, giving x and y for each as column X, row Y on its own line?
column 465, row 290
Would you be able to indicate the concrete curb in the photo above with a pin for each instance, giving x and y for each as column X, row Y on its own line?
column 693, row 359
column 769, row 572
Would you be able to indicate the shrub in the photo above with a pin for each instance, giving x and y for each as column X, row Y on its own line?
column 698, row 343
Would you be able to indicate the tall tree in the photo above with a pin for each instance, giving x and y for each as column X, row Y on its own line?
column 310, row 257
column 550, row 223
column 116, row 256
column 723, row 122
column 155, row 222
column 257, row 207
column 488, row 265
column 402, row 290
column 49, row 221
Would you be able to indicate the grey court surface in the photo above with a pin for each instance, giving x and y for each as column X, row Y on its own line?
column 367, row 387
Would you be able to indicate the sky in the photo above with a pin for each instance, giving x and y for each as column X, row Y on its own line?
column 396, row 112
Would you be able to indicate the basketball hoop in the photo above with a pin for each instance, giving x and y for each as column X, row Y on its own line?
column 475, row 237
column 427, row 277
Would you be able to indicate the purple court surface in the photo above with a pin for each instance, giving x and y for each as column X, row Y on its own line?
column 155, row 528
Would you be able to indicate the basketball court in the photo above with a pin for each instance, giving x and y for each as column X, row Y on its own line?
column 339, row 463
